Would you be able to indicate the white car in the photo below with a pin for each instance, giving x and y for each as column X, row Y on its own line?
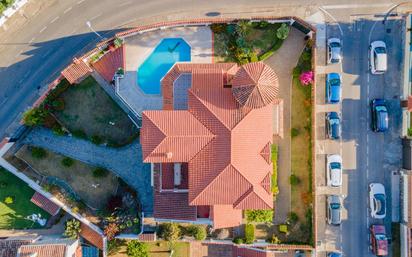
column 377, row 200
column 334, row 170
column 334, row 50
column 378, row 57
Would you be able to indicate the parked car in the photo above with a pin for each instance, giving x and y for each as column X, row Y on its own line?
column 333, row 125
column 378, row 240
column 334, row 210
column 334, row 50
column 377, row 200
column 334, row 254
column 333, row 88
column 378, row 57
column 334, row 170
column 380, row 119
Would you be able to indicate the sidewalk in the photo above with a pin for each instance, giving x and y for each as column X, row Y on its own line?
column 125, row 162
column 282, row 62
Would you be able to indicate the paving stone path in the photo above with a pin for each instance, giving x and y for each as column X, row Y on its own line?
column 125, row 162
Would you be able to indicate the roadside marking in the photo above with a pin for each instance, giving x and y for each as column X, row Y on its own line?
column 43, row 29
column 96, row 16
column 55, row 19
column 81, row 1
column 353, row 6
column 125, row 3
column 31, row 40
column 333, row 18
column 67, row 10
column 19, row 53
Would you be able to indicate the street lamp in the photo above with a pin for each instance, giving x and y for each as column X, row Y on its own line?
column 89, row 24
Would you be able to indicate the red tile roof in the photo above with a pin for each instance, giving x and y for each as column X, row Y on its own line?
column 110, row 63
column 44, row 203
column 92, row 236
column 43, row 250
column 9, row 247
column 255, row 85
column 239, row 251
column 227, row 155
column 410, row 103
column 76, row 71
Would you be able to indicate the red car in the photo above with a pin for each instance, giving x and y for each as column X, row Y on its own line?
column 378, row 240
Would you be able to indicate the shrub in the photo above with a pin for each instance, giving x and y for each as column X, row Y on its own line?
column 38, row 152
column 79, row 134
column 294, row 132
column 58, row 104
column 283, row 31
column 58, row 130
column 3, row 184
column 249, row 233
column 410, row 132
column 243, row 27
column 306, row 78
column 111, row 230
column 118, row 42
column 113, row 246
column 72, row 229
column 283, row 228
column 274, row 240
column 292, row 217
column 35, row 116
column 75, row 209
column 169, row 231
column 259, row 215
column 261, row 24
column 218, row 27
column 137, row 249
column 294, row 180
column 238, row 240
column 97, row 140
column 9, row 200
column 67, row 162
column 274, row 157
column 197, row 231
column 100, row 172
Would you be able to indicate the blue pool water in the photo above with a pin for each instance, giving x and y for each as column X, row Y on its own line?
column 157, row 64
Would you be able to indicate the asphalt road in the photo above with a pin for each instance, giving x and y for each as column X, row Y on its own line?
column 368, row 157
column 34, row 52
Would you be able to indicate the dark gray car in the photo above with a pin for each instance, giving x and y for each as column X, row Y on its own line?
column 334, row 207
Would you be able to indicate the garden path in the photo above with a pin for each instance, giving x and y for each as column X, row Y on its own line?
column 126, row 162
column 282, row 62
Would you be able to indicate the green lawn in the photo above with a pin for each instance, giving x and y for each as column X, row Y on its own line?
column 90, row 113
column 12, row 216
column 156, row 249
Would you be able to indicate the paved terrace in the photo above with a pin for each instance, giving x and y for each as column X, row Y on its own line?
column 126, row 162
column 138, row 47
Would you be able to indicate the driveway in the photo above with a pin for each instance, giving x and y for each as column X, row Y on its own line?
column 125, row 162
column 282, row 62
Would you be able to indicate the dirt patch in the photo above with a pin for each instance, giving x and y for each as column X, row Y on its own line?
column 91, row 113
column 94, row 191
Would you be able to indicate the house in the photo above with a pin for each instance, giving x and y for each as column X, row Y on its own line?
column 39, row 247
column 210, row 145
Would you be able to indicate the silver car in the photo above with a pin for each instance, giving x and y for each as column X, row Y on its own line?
column 334, row 207
column 334, row 50
column 377, row 200
column 378, row 57
column 334, row 170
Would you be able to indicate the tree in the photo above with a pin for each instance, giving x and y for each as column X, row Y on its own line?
column 67, row 162
column 9, row 200
column 282, row 32
column 137, row 249
column 38, row 152
column 72, row 229
column 294, row 180
column 197, row 231
column 35, row 116
column 170, row 231
column 111, row 230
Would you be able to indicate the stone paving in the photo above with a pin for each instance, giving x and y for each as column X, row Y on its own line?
column 282, row 62
column 125, row 162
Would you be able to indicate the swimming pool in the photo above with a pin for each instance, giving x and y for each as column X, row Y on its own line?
column 157, row 64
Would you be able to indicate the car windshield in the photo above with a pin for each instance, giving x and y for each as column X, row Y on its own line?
column 334, row 82
column 380, row 203
column 334, row 44
column 335, row 206
column 380, row 50
column 334, row 122
column 335, row 165
column 381, row 108
column 380, row 237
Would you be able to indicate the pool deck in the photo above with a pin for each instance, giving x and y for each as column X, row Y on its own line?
column 138, row 48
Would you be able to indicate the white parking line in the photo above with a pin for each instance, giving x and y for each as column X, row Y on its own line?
column 43, row 29
column 333, row 18
column 55, row 19
column 96, row 16
column 32, row 40
column 68, row 10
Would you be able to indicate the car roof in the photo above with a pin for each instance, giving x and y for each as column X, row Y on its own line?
column 381, row 62
column 335, row 177
column 377, row 188
column 382, row 120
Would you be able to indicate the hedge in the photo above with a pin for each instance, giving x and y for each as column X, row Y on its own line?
column 259, row 215
column 275, row 188
column 249, row 233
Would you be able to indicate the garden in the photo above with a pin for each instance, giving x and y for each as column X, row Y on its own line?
column 4, row 4
column 85, row 111
column 247, row 41
column 15, row 204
